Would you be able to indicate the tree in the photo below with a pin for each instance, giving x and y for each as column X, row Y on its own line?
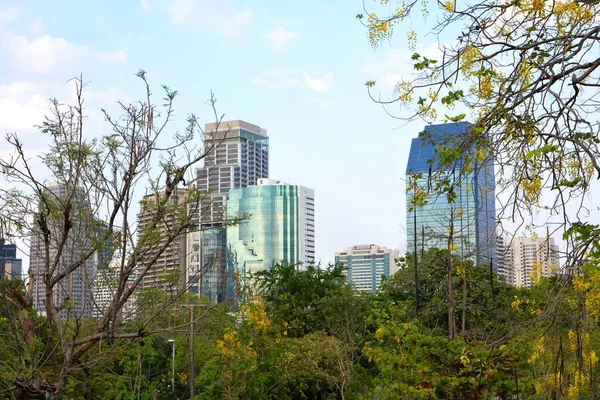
column 97, row 176
column 528, row 74
column 293, row 296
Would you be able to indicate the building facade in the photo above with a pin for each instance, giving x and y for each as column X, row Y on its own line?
column 168, row 270
column 238, row 157
column 10, row 265
column 207, row 267
column 76, row 286
column 441, row 199
column 528, row 259
column 281, row 227
column 367, row 264
column 501, row 255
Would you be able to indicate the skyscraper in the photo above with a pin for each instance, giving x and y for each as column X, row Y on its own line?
column 239, row 156
column 528, row 259
column 76, row 286
column 10, row 265
column 470, row 206
column 366, row 264
column 501, row 256
column 168, row 270
column 281, row 228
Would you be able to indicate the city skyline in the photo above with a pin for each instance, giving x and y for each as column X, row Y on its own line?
column 324, row 127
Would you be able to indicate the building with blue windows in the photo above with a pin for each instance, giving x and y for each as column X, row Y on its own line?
column 367, row 264
column 280, row 228
column 452, row 197
column 10, row 265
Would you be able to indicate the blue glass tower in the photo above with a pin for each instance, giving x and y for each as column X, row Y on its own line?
column 469, row 209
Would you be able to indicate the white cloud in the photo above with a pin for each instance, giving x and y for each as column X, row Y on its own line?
column 279, row 38
column 145, row 4
column 22, row 105
column 319, row 84
column 216, row 15
column 289, row 78
column 9, row 14
column 45, row 54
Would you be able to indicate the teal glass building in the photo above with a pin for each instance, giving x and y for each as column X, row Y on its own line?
column 280, row 228
column 472, row 212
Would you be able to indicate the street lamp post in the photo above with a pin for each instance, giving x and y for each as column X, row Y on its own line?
column 173, row 366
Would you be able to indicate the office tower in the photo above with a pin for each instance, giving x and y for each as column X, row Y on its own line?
column 530, row 258
column 75, row 287
column 207, row 264
column 281, row 227
column 366, row 264
column 471, row 212
column 105, row 287
column 239, row 157
column 501, row 267
column 167, row 270
column 10, row 265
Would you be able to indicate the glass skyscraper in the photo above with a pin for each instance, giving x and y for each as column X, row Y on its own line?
column 471, row 212
column 10, row 265
column 281, row 227
column 239, row 157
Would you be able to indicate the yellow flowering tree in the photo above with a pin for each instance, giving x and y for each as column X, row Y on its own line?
column 525, row 72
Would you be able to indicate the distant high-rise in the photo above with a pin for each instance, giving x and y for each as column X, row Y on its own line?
column 528, row 259
column 366, row 264
column 281, row 228
column 10, row 265
column 501, row 255
column 471, row 213
column 76, row 286
column 168, row 271
column 239, row 156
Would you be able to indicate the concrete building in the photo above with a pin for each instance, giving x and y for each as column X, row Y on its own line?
column 367, row 264
column 239, row 157
column 501, row 252
column 105, row 287
column 76, row 286
column 169, row 269
column 528, row 259
column 281, row 228
column 10, row 265
column 469, row 205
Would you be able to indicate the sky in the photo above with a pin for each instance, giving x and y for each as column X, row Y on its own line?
column 295, row 68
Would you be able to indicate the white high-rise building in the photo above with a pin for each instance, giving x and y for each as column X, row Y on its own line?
column 528, row 259
column 73, row 293
column 500, row 267
column 367, row 264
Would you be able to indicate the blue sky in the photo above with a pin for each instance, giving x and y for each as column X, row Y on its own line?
column 295, row 68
